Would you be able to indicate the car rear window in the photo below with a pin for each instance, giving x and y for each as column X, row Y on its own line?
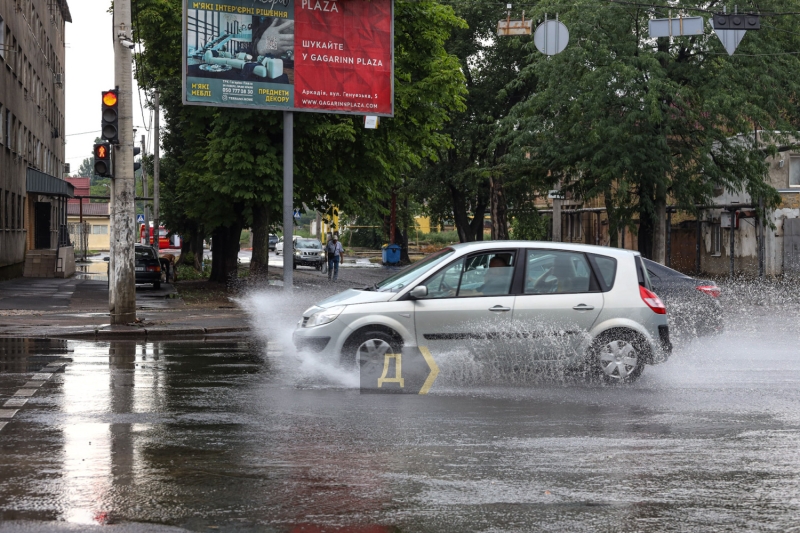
column 608, row 269
column 144, row 253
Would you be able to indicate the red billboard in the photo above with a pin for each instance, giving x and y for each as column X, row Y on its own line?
column 331, row 56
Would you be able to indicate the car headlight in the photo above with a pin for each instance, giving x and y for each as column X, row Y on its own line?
column 324, row 316
column 298, row 253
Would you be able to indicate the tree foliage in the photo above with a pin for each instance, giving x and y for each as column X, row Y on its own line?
column 225, row 165
column 641, row 121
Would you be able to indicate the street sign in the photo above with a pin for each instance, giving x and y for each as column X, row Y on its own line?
column 140, row 219
column 296, row 213
column 551, row 37
column 555, row 195
column 514, row 27
column 676, row 27
column 730, row 39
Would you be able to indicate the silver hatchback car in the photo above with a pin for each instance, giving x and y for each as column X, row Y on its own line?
column 580, row 306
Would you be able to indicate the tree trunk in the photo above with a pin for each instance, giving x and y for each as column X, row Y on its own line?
column 647, row 220
column 197, row 248
column 225, row 253
column 404, row 234
column 660, row 226
column 498, row 209
column 613, row 224
column 259, row 263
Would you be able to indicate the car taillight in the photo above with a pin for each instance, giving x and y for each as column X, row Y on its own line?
column 711, row 290
column 153, row 269
column 653, row 301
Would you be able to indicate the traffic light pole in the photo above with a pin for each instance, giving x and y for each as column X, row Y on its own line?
column 122, row 283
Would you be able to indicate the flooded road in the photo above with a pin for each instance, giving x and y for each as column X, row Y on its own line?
column 246, row 435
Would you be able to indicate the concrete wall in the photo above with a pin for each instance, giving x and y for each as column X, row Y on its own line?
column 31, row 109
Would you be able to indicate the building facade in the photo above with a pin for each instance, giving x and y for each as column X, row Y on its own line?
column 32, row 193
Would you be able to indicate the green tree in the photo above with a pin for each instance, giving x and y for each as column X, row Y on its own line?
column 227, row 164
column 640, row 121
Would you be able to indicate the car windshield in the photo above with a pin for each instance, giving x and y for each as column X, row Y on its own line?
column 144, row 253
column 404, row 277
column 312, row 244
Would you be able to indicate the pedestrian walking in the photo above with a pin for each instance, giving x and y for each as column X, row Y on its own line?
column 335, row 252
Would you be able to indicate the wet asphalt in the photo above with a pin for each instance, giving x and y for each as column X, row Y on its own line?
column 248, row 435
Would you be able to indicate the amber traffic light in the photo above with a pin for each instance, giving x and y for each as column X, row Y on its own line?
column 102, row 159
column 110, row 122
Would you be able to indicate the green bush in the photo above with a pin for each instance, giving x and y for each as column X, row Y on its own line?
column 187, row 273
column 441, row 238
column 529, row 226
column 244, row 238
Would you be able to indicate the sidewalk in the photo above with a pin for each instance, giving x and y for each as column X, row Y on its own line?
column 78, row 307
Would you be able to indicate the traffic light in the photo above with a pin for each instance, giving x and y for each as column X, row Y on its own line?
column 102, row 160
column 136, row 164
column 110, row 124
column 737, row 21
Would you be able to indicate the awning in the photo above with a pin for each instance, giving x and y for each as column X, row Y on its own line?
column 41, row 183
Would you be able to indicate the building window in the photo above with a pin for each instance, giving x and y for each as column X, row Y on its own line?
column 716, row 239
column 5, row 210
column 2, row 38
column 99, row 229
column 2, row 211
column 794, row 171
column 13, row 203
column 20, row 217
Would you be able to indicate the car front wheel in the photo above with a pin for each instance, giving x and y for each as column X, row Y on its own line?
column 369, row 345
column 618, row 356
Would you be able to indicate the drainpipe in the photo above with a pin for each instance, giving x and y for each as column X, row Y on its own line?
column 732, row 211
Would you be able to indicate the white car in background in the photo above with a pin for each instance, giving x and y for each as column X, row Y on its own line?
column 580, row 306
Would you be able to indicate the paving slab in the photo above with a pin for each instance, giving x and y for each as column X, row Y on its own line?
column 8, row 413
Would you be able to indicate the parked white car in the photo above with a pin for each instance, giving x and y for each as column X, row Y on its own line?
column 575, row 305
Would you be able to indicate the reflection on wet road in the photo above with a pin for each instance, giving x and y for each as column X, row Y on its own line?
column 247, row 436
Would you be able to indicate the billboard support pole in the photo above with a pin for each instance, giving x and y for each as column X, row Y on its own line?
column 288, row 199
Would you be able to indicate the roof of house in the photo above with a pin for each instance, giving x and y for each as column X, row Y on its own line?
column 89, row 209
column 82, row 187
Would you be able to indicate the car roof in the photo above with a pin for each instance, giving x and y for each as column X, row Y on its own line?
column 478, row 246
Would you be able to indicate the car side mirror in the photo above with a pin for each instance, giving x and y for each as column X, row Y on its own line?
column 420, row 291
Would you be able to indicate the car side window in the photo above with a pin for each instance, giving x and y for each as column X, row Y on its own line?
column 444, row 284
column 487, row 274
column 557, row 272
column 607, row 266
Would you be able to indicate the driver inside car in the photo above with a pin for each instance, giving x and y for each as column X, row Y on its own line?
column 498, row 277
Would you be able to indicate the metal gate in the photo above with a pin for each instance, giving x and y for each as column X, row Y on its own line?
column 791, row 246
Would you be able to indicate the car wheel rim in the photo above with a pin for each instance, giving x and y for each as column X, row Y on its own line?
column 372, row 348
column 618, row 359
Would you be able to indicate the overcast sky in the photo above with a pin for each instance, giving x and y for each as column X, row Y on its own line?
column 89, row 70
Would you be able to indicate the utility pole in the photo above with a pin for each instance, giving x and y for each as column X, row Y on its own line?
column 122, row 297
column 145, row 191
column 156, row 153
column 556, row 220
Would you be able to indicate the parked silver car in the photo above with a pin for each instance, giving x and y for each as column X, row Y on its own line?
column 582, row 306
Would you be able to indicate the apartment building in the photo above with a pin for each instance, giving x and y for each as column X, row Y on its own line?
column 33, row 194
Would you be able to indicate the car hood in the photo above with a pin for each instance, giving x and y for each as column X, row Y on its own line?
column 353, row 297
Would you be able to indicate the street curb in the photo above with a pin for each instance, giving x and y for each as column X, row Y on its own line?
column 142, row 333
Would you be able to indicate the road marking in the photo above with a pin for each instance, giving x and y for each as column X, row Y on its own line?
column 15, row 402
column 25, row 392
column 3, row 424
column 33, row 384
column 8, row 413
column 43, row 377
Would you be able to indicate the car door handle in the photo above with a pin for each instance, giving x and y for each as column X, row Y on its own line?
column 583, row 307
column 499, row 309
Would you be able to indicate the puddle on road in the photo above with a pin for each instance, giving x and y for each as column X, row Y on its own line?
column 248, row 436
column 94, row 270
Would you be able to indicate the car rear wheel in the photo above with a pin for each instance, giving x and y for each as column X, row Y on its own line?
column 618, row 356
column 369, row 345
